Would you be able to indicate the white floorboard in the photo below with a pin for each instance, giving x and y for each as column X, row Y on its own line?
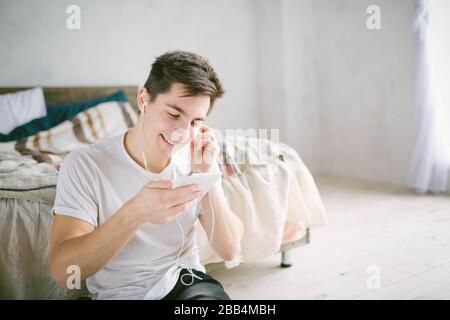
column 405, row 235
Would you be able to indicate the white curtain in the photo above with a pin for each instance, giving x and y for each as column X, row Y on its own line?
column 430, row 165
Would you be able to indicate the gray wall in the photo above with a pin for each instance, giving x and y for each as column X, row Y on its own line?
column 118, row 41
column 340, row 94
column 364, row 86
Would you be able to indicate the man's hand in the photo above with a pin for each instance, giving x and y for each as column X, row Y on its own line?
column 204, row 150
column 76, row 242
column 157, row 203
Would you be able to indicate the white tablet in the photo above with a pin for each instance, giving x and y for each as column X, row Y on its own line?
column 204, row 180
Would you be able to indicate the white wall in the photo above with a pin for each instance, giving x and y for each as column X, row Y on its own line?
column 365, row 89
column 300, row 79
column 118, row 41
column 340, row 94
column 286, row 74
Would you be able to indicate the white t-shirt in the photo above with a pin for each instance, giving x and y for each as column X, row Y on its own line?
column 93, row 183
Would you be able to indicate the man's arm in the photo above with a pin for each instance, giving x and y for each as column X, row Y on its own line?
column 76, row 242
column 228, row 228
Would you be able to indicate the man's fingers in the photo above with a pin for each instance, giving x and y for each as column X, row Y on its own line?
column 182, row 191
column 205, row 128
column 211, row 147
column 206, row 141
column 207, row 134
column 176, row 196
column 185, row 198
column 178, row 209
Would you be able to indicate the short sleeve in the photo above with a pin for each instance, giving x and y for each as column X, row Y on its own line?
column 75, row 190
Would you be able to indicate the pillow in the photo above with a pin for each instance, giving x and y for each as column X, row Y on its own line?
column 21, row 107
column 57, row 114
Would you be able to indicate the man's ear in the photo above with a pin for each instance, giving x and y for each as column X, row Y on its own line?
column 143, row 96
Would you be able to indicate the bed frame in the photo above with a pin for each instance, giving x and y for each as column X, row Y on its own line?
column 55, row 95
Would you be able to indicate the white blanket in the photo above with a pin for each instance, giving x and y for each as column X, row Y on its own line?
column 275, row 197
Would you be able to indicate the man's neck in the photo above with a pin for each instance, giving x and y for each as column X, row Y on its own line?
column 134, row 145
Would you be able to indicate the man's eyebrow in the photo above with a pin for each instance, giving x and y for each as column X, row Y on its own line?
column 182, row 111
column 176, row 108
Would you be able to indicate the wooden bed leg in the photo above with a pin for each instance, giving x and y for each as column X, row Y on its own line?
column 286, row 260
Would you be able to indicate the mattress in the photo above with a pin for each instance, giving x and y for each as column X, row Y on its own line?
column 24, row 253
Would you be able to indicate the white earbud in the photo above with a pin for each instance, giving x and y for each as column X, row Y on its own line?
column 144, row 159
column 144, row 104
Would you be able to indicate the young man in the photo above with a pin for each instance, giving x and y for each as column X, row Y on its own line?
column 117, row 217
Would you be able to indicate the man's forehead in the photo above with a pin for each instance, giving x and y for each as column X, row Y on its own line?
column 178, row 98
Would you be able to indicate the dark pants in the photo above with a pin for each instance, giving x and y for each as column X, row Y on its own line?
column 206, row 289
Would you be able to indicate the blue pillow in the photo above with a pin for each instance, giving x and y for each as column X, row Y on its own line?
column 56, row 114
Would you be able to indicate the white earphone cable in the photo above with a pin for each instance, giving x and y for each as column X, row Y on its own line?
column 211, row 237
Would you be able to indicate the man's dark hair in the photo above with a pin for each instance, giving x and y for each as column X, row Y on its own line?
column 187, row 68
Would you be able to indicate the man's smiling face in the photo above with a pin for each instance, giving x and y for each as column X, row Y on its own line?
column 173, row 119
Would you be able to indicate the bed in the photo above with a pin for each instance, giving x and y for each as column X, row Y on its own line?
column 25, row 219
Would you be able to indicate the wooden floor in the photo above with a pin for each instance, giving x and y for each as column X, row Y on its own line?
column 377, row 235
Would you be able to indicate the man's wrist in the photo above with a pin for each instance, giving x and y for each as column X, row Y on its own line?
column 130, row 214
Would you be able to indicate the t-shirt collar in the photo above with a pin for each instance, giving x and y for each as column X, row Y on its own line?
column 166, row 171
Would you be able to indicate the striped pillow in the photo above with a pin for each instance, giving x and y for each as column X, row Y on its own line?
column 50, row 146
column 58, row 113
